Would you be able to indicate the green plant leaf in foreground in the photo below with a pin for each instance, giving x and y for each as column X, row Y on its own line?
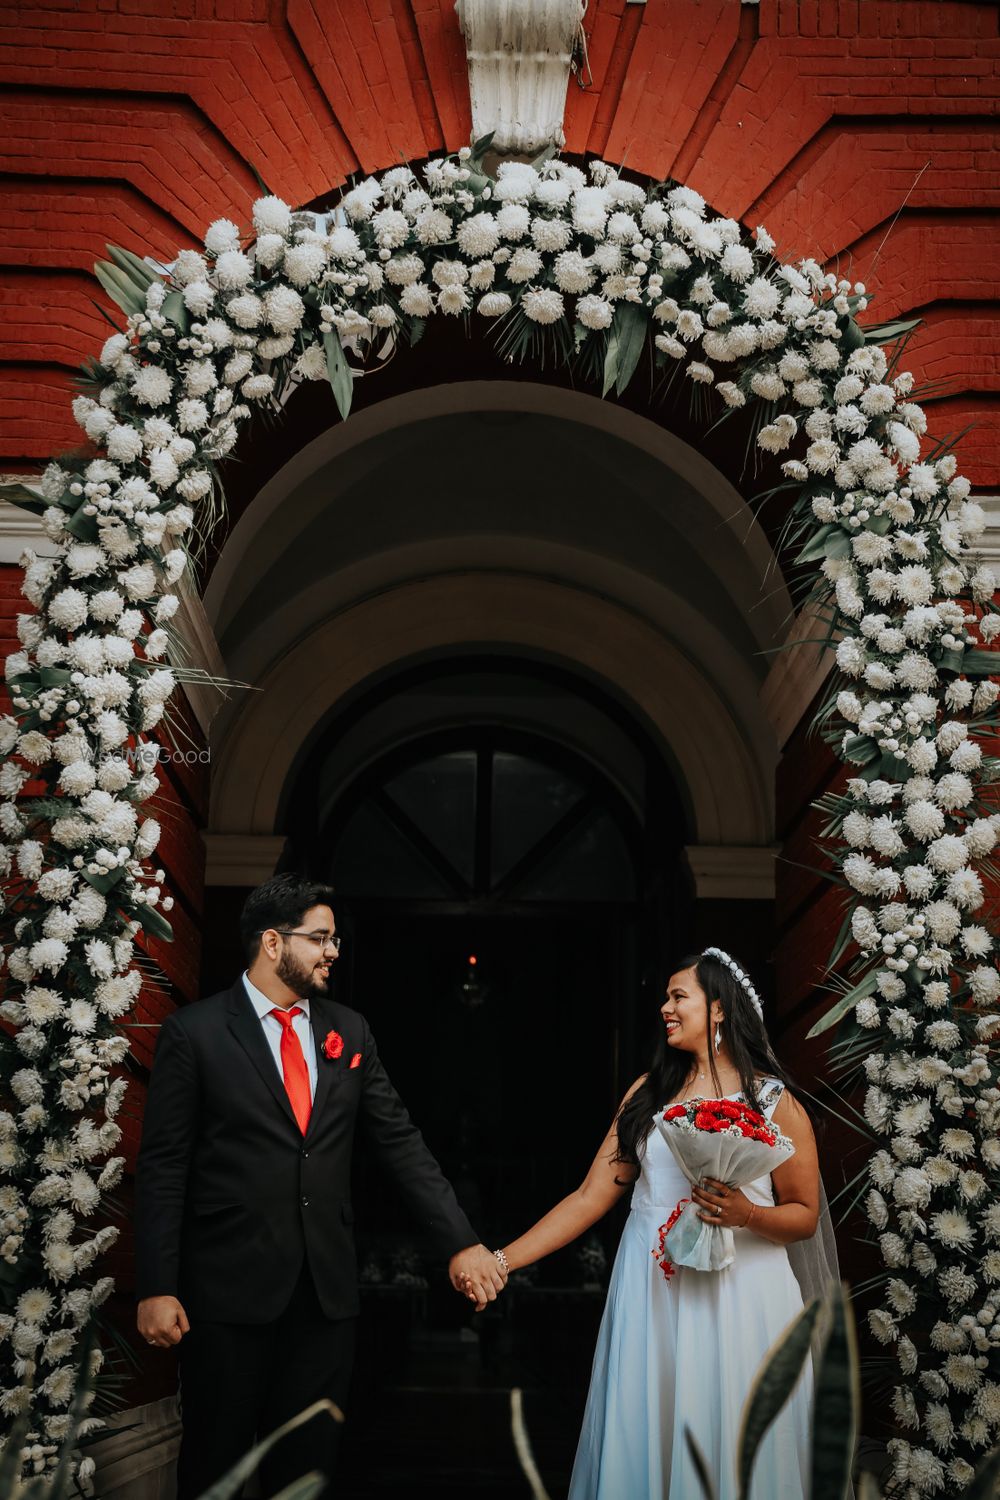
column 773, row 1384
column 836, row 1402
column 701, row 1466
column 230, row 1484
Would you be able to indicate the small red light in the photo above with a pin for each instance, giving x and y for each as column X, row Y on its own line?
column 473, row 960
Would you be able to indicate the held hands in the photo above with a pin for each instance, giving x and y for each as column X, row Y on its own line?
column 727, row 1208
column 477, row 1274
column 162, row 1321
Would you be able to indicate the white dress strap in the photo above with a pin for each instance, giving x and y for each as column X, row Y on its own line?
column 769, row 1096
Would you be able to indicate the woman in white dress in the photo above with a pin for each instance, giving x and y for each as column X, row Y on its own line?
column 679, row 1348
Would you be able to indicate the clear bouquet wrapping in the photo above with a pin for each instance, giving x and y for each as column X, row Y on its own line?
column 714, row 1138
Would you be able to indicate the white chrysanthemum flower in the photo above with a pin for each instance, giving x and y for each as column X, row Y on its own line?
column 943, row 1036
column 152, row 386
column 494, row 304
column 948, row 853
column 453, row 300
column 543, row 305
column 573, row 272
column 857, row 830
column 861, row 873
column 590, row 211
column 246, row 310
column 272, row 216
column 966, row 757
column 900, row 1296
column 985, row 984
column 81, row 1016
column 594, row 312
column 914, row 1117
column 524, row 265
column 433, row 226
column 257, row 387
column 403, row 270
column 311, row 364
column 976, row 941
column 222, row 235
column 894, row 1251
column 736, row 262
column 981, row 836
column 957, row 1142
column 482, row 275
column 304, row 264
column 971, row 1185
column 445, row 273
column 124, row 443
column 961, row 1371
column 924, row 820
column 283, row 309
column 912, row 1188
column 867, row 1014
column 901, row 1023
column 516, row 182
column 417, row 300
column 965, row 888
column 514, row 221
column 478, row 235
column 549, row 235
column 882, row 1325
column 35, row 1306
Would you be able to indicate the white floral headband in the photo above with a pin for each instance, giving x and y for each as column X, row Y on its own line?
column 742, row 979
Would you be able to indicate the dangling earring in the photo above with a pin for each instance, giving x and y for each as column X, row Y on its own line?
column 718, row 1036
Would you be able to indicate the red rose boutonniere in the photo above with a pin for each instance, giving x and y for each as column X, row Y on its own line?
column 333, row 1045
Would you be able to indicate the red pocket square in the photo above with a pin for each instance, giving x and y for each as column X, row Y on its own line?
column 356, row 1060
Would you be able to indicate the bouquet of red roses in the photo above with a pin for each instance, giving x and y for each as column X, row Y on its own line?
column 715, row 1138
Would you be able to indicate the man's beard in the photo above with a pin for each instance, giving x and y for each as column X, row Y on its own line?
column 302, row 981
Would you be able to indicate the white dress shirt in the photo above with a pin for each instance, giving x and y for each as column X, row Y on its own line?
column 273, row 1030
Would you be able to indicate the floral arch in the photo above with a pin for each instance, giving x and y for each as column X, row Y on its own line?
column 597, row 271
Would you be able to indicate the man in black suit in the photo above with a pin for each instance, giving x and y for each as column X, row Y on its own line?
column 244, row 1225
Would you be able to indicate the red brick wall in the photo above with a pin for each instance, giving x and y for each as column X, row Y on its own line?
column 139, row 120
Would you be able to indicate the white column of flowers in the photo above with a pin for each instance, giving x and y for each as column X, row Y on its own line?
column 602, row 273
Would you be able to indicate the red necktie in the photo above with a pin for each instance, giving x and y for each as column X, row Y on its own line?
column 294, row 1069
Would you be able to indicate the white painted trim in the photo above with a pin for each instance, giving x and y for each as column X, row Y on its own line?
column 288, row 500
column 729, row 790
column 241, row 858
column 729, row 872
column 519, row 54
column 989, row 547
column 21, row 528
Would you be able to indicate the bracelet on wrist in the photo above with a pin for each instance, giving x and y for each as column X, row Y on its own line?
column 502, row 1262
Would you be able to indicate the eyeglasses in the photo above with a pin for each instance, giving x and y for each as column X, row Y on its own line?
column 319, row 940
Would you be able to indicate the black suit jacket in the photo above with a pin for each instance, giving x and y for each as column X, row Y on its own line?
column 231, row 1198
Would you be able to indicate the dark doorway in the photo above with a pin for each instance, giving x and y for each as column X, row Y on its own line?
column 504, row 901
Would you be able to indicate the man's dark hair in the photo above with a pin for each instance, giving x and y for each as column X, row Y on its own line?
column 281, row 901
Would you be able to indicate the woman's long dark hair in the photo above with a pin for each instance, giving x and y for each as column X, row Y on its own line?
column 745, row 1038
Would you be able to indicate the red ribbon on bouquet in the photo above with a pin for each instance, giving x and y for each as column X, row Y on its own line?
column 660, row 1255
